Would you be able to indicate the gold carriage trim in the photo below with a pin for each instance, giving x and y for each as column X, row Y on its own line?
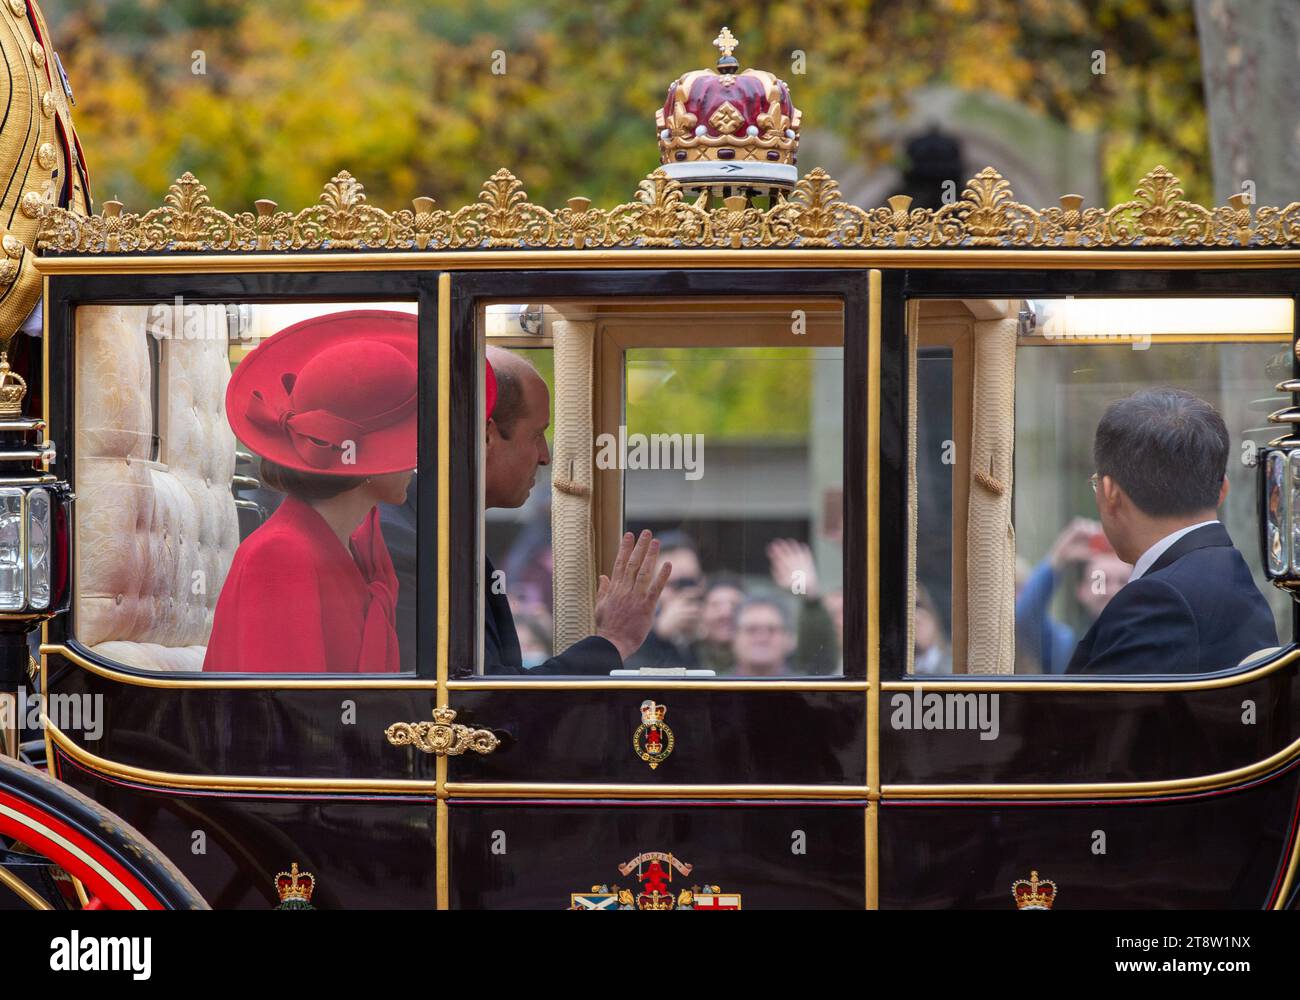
column 443, row 737
column 814, row 215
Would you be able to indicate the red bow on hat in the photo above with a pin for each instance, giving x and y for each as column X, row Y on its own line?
column 333, row 395
column 316, row 435
column 308, row 398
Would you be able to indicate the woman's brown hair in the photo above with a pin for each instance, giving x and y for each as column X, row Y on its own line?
column 306, row 486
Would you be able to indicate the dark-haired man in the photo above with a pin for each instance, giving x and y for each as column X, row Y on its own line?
column 1190, row 604
column 514, row 448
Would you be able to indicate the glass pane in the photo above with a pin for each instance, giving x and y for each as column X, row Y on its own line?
column 38, row 548
column 278, row 536
column 1280, row 491
column 1126, row 418
column 13, row 581
column 713, row 426
column 934, row 461
column 754, row 532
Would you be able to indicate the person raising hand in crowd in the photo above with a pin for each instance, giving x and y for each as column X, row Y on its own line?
column 817, row 643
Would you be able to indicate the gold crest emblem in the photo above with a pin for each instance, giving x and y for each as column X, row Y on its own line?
column 1033, row 893
column 653, row 741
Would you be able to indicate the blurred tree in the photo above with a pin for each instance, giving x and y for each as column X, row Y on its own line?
column 1253, row 96
column 754, row 394
column 418, row 97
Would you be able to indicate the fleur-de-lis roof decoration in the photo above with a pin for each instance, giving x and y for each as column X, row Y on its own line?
column 661, row 214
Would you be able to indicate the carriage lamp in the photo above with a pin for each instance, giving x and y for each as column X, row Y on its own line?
column 34, row 509
column 34, row 540
column 27, row 536
column 1279, row 498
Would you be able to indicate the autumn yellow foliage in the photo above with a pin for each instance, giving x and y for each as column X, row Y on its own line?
column 428, row 97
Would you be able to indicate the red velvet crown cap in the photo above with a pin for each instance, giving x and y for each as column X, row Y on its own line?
column 333, row 395
column 751, row 94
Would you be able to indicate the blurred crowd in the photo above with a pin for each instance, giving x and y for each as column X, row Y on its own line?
column 790, row 625
column 786, row 625
column 1081, row 556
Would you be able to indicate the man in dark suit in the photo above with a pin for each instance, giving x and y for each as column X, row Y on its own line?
column 1190, row 605
column 515, row 446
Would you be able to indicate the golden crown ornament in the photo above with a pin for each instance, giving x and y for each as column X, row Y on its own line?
column 1033, row 893
column 729, row 130
column 12, row 389
column 295, row 888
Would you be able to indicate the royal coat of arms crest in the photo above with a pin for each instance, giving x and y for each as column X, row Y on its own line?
column 653, row 871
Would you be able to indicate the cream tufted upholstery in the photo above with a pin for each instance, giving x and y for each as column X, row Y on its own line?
column 154, row 539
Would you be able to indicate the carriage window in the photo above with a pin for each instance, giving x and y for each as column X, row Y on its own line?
column 1030, row 560
column 278, row 537
column 717, row 427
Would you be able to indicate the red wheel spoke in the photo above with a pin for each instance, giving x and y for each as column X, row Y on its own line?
column 94, row 903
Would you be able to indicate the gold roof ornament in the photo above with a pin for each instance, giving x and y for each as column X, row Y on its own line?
column 12, row 389
column 814, row 215
column 729, row 131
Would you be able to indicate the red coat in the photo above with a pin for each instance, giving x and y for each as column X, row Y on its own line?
column 297, row 602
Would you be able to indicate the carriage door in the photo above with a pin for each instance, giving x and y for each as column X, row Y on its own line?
column 241, row 764
column 726, row 763
column 1049, row 723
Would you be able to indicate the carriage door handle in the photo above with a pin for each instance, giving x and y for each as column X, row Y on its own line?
column 443, row 737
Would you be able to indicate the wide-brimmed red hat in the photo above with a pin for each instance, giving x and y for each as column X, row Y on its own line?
column 333, row 395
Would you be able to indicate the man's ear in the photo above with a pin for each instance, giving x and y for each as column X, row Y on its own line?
column 1110, row 493
column 1223, row 492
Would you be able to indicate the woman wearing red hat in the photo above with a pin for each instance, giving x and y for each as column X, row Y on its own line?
column 330, row 406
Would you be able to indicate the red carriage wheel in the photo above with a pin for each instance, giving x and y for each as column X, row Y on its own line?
column 118, row 868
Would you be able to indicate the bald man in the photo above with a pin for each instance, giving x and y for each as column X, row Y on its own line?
column 515, row 446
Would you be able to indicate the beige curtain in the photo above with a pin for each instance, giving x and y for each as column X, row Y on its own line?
column 572, row 532
column 913, row 345
column 991, row 539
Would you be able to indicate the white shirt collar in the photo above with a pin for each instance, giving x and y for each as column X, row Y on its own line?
column 1148, row 558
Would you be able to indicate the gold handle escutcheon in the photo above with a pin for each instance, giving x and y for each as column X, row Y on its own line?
column 443, row 737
